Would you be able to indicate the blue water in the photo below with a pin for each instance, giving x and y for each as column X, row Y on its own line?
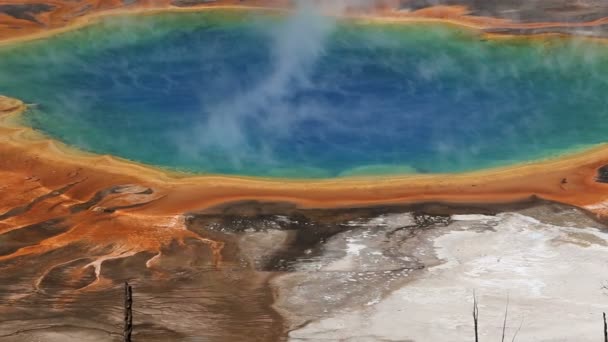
column 248, row 94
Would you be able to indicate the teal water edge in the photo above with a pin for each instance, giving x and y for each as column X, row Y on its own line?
column 246, row 93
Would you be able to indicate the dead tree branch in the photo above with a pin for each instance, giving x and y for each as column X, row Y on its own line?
column 504, row 323
column 128, row 320
column 475, row 316
column 605, row 329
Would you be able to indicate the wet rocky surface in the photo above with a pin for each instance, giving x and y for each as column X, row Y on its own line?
column 328, row 262
column 249, row 270
column 416, row 284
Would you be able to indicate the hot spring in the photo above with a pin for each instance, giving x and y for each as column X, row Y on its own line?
column 241, row 93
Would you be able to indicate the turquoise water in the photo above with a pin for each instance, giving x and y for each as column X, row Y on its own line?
column 248, row 94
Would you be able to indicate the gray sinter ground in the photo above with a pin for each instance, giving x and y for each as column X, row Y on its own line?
column 376, row 274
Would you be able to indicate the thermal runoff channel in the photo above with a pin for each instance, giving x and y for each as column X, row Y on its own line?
column 306, row 96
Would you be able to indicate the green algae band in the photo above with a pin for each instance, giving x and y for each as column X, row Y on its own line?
column 241, row 93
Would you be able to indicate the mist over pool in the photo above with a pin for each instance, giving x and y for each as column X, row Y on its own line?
column 230, row 92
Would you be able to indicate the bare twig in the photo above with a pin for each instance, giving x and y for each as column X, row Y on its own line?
column 128, row 327
column 475, row 316
column 518, row 329
column 504, row 323
column 605, row 329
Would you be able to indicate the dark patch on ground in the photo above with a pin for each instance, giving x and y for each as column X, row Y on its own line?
column 594, row 31
column 308, row 229
column 531, row 11
column 156, row 332
column 33, row 234
column 81, row 11
column 26, row 11
column 602, row 174
column 70, row 276
column 127, row 268
column 237, row 216
column 111, row 210
column 100, row 195
column 23, row 209
column 422, row 221
column 425, row 220
column 525, row 10
column 189, row 3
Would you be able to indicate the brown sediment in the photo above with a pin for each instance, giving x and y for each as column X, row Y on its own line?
column 73, row 225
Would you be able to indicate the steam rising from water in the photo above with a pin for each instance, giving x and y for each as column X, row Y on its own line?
column 297, row 45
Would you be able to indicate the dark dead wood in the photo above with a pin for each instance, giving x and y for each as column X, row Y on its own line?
column 605, row 329
column 128, row 326
column 504, row 322
column 475, row 317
